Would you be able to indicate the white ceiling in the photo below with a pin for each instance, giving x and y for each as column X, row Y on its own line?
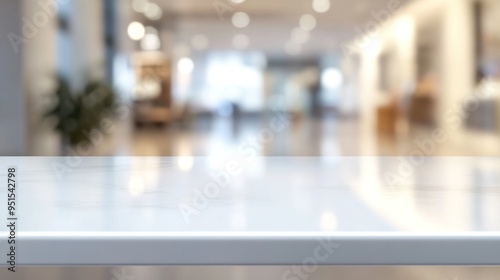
column 271, row 22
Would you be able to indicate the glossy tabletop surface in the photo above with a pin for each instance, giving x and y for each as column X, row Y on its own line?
column 255, row 210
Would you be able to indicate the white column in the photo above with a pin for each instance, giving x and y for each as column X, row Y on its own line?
column 368, row 87
column 405, row 39
column 457, row 61
column 12, row 98
column 81, row 48
column 368, row 98
column 39, row 69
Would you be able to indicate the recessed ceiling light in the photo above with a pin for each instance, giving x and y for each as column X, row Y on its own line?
column 150, row 42
column 136, row 30
column 331, row 78
column 240, row 19
column 237, row 1
column 185, row 65
column 139, row 5
column 153, row 11
column 151, row 30
column 321, row 6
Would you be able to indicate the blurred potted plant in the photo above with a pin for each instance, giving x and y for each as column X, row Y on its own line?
column 78, row 112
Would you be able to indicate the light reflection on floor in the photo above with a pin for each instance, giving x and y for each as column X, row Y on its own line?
column 304, row 136
column 329, row 136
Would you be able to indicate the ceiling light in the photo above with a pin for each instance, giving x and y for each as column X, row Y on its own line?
column 151, row 30
column 140, row 5
column 307, row 22
column 136, row 30
column 237, row 1
column 153, row 11
column 321, row 6
column 185, row 65
column 240, row 19
column 331, row 78
column 150, row 42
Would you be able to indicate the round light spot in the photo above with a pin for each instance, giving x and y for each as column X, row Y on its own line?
column 331, row 78
column 136, row 31
column 321, row 6
column 185, row 65
column 140, row 5
column 241, row 41
column 307, row 22
column 153, row 11
column 150, row 42
column 151, row 30
column 240, row 19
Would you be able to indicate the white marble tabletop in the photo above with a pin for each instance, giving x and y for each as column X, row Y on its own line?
column 253, row 210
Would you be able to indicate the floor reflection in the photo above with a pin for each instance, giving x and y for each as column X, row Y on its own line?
column 329, row 136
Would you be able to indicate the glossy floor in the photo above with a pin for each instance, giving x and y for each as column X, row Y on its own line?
column 329, row 136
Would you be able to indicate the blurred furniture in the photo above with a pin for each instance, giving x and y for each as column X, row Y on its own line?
column 422, row 107
column 421, row 110
column 386, row 120
column 387, row 117
column 153, row 95
column 484, row 117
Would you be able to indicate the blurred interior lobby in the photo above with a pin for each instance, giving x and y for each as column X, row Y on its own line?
column 289, row 78
column 214, row 78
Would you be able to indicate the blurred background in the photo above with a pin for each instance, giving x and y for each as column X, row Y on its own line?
column 277, row 78
column 286, row 77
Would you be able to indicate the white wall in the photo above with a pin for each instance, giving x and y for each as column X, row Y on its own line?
column 460, row 75
column 397, row 37
column 456, row 58
column 454, row 21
